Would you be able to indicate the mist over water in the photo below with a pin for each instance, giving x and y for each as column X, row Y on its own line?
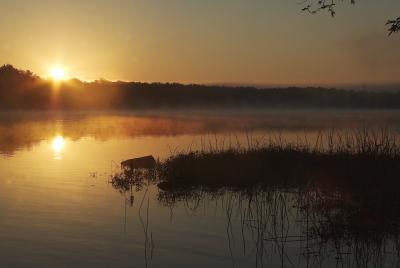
column 23, row 130
column 58, row 206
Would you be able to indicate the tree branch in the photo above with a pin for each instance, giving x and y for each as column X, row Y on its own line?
column 394, row 25
column 315, row 6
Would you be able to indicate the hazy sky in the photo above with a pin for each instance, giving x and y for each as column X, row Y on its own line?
column 202, row 41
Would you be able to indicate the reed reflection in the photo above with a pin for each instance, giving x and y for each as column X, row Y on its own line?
column 289, row 211
column 308, row 227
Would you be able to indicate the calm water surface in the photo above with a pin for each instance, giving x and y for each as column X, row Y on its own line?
column 58, row 209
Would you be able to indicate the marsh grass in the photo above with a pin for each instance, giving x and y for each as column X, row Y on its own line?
column 348, row 183
column 342, row 190
column 355, row 173
column 362, row 159
column 127, row 179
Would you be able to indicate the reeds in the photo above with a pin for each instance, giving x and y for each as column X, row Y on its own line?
column 342, row 190
column 359, row 157
column 126, row 179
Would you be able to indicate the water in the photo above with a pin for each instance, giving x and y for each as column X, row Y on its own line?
column 58, row 209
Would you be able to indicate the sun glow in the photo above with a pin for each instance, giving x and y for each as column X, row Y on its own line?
column 58, row 144
column 57, row 74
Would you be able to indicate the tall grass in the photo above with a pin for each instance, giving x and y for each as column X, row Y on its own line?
column 342, row 190
column 355, row 158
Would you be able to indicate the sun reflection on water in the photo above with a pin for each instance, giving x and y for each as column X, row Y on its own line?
column 58, row 144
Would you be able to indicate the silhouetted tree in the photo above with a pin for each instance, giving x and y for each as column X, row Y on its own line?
column 329, row 5
column 23, row 90
column 10, row 73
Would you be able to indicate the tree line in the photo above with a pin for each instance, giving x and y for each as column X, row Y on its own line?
column 27, row 91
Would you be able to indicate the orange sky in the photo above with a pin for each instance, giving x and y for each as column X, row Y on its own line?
column 230, row 41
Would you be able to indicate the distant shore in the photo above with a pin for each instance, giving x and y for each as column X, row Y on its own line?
column 22, row 90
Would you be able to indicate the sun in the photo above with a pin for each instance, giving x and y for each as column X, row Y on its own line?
column 58, row 144
column 57, row 74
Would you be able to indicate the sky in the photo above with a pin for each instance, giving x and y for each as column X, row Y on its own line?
column 269, row 42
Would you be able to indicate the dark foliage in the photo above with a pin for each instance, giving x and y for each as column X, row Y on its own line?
column 329, row 5
column 353, row 161
column 341, row 194
column 23, row 90
column 394, row 25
